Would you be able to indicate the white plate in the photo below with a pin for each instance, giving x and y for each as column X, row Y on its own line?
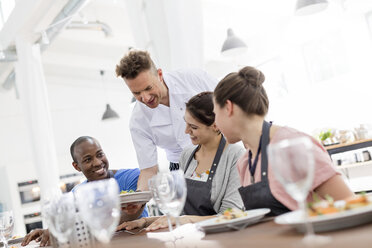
column 136, row 197
column 12, row 241
column 329, row 222
column 253, row 216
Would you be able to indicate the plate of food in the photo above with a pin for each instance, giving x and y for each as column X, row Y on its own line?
column 13, row 240
column 329, row 215
column 232, row 219
column 132, row 196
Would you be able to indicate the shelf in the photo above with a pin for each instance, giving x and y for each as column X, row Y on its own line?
column 355, row 165
column 333, row 149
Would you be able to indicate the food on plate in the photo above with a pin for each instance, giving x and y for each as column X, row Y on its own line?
column 357, row 201
column 231, row 213
column 329, row 206
column 126, row 191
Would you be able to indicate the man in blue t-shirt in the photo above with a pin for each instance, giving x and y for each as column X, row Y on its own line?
column 89, row 158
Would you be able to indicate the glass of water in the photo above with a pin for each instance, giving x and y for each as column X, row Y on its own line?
column 171, row 192
column 6, row 226
column 99, row 207
column 293, row 165
column 58, row 212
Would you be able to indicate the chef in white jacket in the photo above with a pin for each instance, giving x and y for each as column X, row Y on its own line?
column 157, row 118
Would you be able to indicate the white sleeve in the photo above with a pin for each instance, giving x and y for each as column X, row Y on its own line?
column 203, row 81
column 146, row 150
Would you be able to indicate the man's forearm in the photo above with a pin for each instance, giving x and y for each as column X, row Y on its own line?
column 144, row 177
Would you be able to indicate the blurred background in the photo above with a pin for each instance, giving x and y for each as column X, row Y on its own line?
column 57, row 74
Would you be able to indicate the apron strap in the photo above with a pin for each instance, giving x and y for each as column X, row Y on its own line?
column 265, row 142
column 216, row 159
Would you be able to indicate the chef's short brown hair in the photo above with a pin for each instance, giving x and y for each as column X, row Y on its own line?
column 134, row 63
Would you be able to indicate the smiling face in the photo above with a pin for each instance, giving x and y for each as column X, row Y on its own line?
column 148, row 88
column 91, row 160
column 224, row 120
column 199, row 133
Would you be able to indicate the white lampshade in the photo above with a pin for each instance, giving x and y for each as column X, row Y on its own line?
column 109, row 113
column 233, row 45
column 308, row 7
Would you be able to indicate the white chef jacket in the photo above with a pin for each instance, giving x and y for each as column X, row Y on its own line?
column 164, row 126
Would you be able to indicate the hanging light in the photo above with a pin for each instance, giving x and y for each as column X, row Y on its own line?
column 233, row 45
column 308, row 7
column 109, row 112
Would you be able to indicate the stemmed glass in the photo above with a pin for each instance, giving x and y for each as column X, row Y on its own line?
column 6, row 226
column 170, row 194
column 292, row 161
column 159, row 204
column 99, row 207
column 58, row 212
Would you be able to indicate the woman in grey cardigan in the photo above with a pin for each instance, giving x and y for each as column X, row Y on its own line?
column 209, row 165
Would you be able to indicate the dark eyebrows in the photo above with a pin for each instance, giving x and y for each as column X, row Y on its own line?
column 190, row 124
column 85, row 157
column 149, row 87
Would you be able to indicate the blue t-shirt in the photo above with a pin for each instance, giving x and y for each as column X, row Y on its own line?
column 127, row 180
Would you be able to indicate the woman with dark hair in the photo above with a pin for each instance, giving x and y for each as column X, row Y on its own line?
column 209, row 165
column 240, row 105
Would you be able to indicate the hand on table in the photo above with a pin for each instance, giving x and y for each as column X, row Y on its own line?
column 39, row 235
column 129, row 225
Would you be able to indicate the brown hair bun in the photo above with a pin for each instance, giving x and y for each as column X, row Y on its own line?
column 252, row 76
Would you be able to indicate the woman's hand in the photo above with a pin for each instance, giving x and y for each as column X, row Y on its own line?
column 129, row 225
column 39, row 235
column 160, row 223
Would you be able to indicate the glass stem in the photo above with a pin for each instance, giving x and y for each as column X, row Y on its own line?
column 5, row 242
column 178, row 222
column 308, row 225
column 169, row 223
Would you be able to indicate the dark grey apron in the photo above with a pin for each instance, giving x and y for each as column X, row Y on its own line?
column 258, row 195
column 198, row 201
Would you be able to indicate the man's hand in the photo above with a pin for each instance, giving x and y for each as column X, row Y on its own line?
column 39, row 235
column 145, row 175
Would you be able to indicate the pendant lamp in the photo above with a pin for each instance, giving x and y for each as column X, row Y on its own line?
column 233, row 45
column 308, row 7
column 109, row 112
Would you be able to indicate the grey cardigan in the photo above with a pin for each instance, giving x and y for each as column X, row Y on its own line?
column 225, row 184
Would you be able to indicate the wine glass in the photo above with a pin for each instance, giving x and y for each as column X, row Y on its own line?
column 99, row 207
column 158, row 202
column 172, row 191
column 293, row 162
column 6, row 226
column 58, row 212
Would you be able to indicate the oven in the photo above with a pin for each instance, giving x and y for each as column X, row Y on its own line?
column 29, row 191
column 33, row 221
